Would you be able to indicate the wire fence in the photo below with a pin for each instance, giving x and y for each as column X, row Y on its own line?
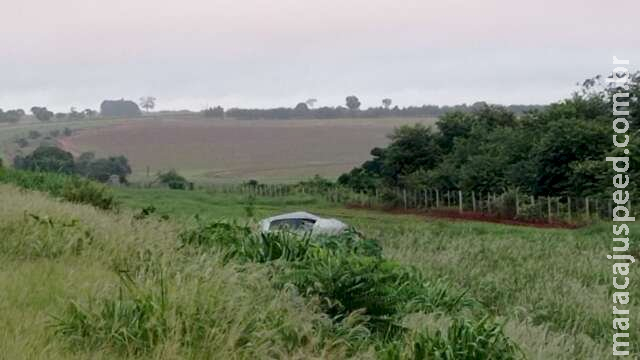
column 510, row 204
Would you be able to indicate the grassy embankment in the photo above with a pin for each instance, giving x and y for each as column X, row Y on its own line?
column 550, row 287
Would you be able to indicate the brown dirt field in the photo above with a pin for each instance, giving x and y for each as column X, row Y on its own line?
column 230, row 150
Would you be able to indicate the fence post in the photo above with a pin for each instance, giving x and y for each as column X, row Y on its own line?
column 460, row 201
column 448, row 198
column 489, row 202
column 404, row 197
column 587, row 206
column 610, row 209
column 569, row 206
column 437, row 199
column 426, row 199
column 549, row 207
column 517, row 204
column 473, row 200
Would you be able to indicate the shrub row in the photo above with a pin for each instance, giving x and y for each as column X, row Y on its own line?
column 67, row 187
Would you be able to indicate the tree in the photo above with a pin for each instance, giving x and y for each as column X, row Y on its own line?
column 148, row 103
column 386, row 103
column 48, row 159
column 119, row 108
column 352, row 102
column 102, row 169
column 11, row 116
column 301, row 107
column 216, row 112
column 41, row 113
column 311, row 102
column 173, row 180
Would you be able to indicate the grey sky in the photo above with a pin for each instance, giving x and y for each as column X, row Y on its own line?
column 259, row 53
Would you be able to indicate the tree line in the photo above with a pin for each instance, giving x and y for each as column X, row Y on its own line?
column 558, row 150
column 352, row 108
column 55, row 160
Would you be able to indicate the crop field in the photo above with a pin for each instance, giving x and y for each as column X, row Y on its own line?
column 230, row 151
column 62, row 268
column 9, row 133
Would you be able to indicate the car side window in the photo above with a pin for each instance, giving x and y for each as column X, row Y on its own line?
column 292, row 224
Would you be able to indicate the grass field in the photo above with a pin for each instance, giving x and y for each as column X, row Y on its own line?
column 232, row 151
column 551, row 288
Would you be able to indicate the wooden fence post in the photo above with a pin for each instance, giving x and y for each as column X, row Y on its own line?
column 473, row 200
column 587, row 206
column 549, row 207
column 426, row 199
column 460, row 201
column 517, row 204
column 569, row 206
column 404, row 197
column 437, row 199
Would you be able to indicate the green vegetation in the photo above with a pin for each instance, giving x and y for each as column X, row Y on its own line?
column 556, row 151
column 66, row 187
column 173, row 180
column 119, row 108
column 156, row 288
column 55, row 160
column 11, row 116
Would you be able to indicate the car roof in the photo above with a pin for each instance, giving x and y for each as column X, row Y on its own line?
column 293, row 215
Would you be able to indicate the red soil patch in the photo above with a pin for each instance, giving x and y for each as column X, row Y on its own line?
column 475, row 216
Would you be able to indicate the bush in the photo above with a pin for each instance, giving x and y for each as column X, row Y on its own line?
column 173, row 180
column 381, row 290
column 463, row 339
column 34, row 134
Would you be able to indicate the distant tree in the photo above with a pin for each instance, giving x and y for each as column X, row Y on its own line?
column 48, row 159
column 301, row 107
column 311, row 102
column 352, row 102
column 119, row 108
column 60, row 116
column 75, row 114
column 41, row 113
column 216, row 112
column 148, row 103
column 11, row 116
column 103, row 169
column 173, row 180
column 386, row 103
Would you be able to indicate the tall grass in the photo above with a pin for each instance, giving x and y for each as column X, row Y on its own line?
column 69, row 188
column 473, row 289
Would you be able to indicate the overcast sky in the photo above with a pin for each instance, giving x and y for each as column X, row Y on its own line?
column 263, row 53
